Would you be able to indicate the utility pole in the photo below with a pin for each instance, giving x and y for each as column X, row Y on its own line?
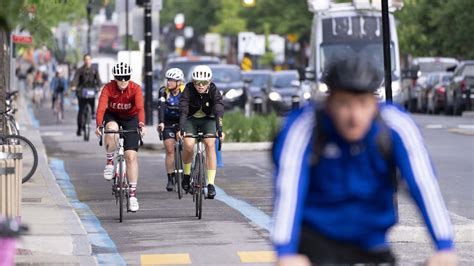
column 3, row 75
column 148, row 64
column 126, row 26
column 386, row 52
column 89, row 22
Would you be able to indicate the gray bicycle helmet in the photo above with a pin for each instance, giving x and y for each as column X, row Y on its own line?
column 353, row 72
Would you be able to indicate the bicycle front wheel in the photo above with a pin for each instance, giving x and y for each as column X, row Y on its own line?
column 87, row 122
column 29, row 154
column 121, row 188
column 178, row 166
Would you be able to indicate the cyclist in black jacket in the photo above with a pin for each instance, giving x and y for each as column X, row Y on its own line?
column 202, row 108
column 168, row 117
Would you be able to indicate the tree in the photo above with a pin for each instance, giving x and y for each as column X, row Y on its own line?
column 436, row 28
column 228, row 20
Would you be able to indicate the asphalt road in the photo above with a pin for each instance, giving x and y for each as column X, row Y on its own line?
column 237, row 220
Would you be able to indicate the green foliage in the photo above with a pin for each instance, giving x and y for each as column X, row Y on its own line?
column 229, row 21
column 285, row 17
column 239, row 128
column 436, row 28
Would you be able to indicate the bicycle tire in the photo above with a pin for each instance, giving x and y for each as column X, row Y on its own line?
column 29, row 153
column 121, row 189
column 202, row 183
column 87, row 122
column 179, row 171
column 196, row 183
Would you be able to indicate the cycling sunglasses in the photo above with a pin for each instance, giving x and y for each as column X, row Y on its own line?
column 201, row 82
column 122, row 78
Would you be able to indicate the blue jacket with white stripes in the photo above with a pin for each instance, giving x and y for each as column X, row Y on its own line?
column 348, row 194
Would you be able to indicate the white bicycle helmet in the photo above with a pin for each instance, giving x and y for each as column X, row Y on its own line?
column 121, row 69
column 202, row 72
column 174, row 73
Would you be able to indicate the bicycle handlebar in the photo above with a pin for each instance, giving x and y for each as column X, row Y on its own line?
column 120, row 131
column 196, row 136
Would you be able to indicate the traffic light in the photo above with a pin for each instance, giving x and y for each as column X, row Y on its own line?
column 179, row 21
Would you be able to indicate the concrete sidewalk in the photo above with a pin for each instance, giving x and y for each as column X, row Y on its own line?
column 56, row 234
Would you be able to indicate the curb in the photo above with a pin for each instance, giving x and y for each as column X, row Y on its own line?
column 469, row 114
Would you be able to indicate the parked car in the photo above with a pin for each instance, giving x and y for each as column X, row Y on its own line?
column 228, row 79
column 423, row 66
column 436, row 97
column 284, row 93
column 257, row 85
column 459, row 96
column 432, row 79
column 186, row 64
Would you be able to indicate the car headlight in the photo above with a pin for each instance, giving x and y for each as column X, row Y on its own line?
column 323, row 87
column 234, row 93
column 306, row 95
column 274, row 96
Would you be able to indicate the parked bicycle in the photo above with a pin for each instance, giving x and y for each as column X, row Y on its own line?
column 12, row 127
column 29, row 154
column 199, row 172
column 120, row 186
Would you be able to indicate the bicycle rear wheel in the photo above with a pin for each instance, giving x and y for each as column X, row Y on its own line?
column 87, row 121
column 29, row 154
column 120, row 186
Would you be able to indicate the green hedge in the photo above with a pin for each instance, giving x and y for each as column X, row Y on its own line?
column 239, row 128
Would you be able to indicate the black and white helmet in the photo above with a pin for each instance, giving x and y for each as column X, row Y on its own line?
column 121, row 69
column 202, row 72
column 174, row 73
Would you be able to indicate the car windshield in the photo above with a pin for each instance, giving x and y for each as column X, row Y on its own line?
column 187, row 66
column 468, row 70
column 428, row 67
column 447, row 78
column 284, row 80
column 258, row 80
column 331, row 51
column 226, row 75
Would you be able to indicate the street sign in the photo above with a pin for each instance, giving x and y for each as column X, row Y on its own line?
column 22, row 39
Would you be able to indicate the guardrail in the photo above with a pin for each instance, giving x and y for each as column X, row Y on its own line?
column 10, row 180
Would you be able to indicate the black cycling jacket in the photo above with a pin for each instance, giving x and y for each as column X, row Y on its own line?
column 210, row 103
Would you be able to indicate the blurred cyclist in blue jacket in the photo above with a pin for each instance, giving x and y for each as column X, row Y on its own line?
column 334, row 183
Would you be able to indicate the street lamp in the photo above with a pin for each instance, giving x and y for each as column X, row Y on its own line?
column 89, row 11
column 249, row 3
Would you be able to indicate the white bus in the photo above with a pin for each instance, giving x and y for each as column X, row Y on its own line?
column 347, row 27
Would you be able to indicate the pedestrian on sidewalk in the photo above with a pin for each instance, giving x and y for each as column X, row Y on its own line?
column 334, row 175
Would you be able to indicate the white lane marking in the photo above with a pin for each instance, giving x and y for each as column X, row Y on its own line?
column 466, row 126
column 436, row 126
column 52, row 134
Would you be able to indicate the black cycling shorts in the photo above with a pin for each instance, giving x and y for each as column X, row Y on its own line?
column 131, row 140
column 170, row 130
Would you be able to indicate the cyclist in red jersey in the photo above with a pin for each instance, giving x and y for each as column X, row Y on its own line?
column 121, row 104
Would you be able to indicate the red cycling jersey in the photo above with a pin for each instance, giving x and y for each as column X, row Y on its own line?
column 126, row 103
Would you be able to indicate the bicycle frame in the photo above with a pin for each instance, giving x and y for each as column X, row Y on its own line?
column 120, row 187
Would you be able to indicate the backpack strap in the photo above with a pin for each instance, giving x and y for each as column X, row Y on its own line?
column 385, row 146
column 319, row 139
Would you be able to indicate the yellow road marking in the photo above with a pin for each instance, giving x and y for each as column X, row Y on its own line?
column 257, row 256
column 165, row 259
